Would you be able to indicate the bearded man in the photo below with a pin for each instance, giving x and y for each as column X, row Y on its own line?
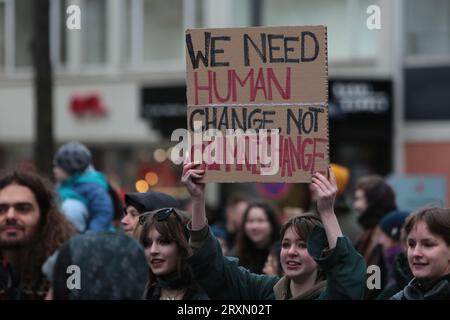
column 31, row 230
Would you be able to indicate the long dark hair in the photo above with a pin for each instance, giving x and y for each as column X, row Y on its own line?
column 245, row 248
column 53, row 229
column 380, row 198
column 171, row 229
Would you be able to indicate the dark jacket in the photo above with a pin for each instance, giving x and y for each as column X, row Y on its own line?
column 401, row 276
column 373, row 255
column 154, row 293
column 12, row 288
column 438, row 289
column 255, row 259
column 182, row 278
column 224, row 279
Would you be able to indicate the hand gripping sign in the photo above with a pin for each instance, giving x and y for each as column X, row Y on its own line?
column 258, row 103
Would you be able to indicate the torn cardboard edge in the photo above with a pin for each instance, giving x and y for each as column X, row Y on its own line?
column 265, row 68
column 243, row 147
column 256, row 65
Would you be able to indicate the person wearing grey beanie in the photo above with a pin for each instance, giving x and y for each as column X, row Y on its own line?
column 73, row 158
column 83, row 191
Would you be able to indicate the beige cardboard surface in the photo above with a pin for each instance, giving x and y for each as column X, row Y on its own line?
column 302, row 148
column 261, row 78
column 279, row 81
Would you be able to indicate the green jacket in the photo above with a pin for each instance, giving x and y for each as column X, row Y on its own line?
column 222, row 278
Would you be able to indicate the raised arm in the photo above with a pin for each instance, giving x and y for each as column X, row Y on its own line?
column 343, row 266
column 191, row 173
column 219, row 276
column 324, row 191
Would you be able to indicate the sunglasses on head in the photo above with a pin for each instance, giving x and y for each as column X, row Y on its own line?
column 161, row 215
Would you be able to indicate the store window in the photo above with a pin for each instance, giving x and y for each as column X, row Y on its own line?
column 163, row 30
column 2, row 35
column 199, row 19
column 126, row 32
column 94, row 32
column 16, row 33
column 61, row 44
column 427, row 27
column 58, row 29
column 348, row 36
column 241, row 13
column 23, row 32
column 153, row 30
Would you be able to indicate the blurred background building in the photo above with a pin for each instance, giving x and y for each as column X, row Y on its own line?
column 119, row 83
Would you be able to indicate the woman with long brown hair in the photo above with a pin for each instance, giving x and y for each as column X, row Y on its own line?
column 259, row 230
column 164, row 237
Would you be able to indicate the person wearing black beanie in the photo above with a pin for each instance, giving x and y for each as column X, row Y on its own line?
column 393, row 241
column 137, row 203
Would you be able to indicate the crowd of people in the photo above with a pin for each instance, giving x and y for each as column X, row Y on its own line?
column 62, row 241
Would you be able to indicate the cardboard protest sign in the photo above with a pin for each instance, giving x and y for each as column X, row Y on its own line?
column 257, row 102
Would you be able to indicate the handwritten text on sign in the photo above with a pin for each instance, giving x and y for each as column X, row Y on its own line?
column 254, row 80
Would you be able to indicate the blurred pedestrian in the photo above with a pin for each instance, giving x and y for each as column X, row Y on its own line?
column 108, row 266
column 84, row 191
column 259, row 230
column 393, row 240
column 31, row 230
column 346, row 216
column 221, row 236
column 136, row 203
column 374, row 198
column 236, row 205
column 428, row 250
column 391, row 226
column 165, row 239
column 273, row 267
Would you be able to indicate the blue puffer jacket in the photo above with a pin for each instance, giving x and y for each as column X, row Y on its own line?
column 91, row 188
